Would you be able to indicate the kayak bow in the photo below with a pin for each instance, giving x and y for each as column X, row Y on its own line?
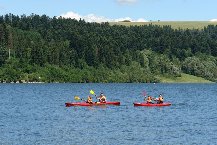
column 152, row 105
column 68, row 104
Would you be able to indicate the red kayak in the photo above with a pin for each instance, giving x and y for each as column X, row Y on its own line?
column 152, row 105
column 68, row 104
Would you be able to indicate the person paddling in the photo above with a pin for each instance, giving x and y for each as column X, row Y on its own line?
column 102, row 98
column 89, row 100
column 149, row 100
column 160, row 99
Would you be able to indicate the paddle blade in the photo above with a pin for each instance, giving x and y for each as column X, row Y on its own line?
column 77, row 98
column 92, row 92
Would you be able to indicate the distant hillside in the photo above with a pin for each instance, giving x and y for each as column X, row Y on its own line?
column 42, row 49
column 184, row 78
column 174, row 24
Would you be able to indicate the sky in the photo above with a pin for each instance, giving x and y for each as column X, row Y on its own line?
column 116, row 10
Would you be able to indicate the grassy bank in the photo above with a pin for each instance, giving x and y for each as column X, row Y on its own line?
column 174, row 24
column 185, row 78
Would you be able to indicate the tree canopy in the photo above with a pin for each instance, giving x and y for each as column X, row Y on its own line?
column 40, row 48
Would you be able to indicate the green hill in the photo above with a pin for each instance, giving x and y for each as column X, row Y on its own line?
column 39, row 48
column 174, row 24
column 185, row 78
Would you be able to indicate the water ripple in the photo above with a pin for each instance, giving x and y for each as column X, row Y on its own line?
column 35, row 114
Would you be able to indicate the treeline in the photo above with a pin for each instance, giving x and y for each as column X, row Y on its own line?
column 40, row 48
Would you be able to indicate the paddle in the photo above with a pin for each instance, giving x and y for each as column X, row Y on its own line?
column 92, row 92
column 144, row 94
column 78, row 98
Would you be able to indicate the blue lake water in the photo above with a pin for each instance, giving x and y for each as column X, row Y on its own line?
column 35, row 114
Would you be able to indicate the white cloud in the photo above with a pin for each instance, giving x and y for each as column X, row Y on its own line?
column 87, row 18
column 126, row 1
column 95, row 18
column 72, row 15
column 141, row 20
column 213, row 20
column 98, row 19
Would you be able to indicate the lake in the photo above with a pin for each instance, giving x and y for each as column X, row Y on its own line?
column 35, row 114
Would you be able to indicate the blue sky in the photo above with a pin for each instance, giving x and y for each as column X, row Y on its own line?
column 115, row 10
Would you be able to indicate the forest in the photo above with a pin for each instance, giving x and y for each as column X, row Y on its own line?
column 38, row 48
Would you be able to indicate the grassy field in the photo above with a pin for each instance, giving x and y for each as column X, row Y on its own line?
column 174, row 24
column 185, row 78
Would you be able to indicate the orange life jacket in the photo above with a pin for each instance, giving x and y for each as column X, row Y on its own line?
column 149, row 99
column 103, row 99
column 89, row 99
column 161, row 99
